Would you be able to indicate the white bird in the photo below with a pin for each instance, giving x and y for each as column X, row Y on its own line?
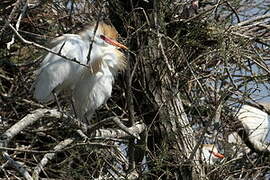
column 58, row 74
column 210, row 154
column 256, row 124
column 238, row 147
column 94, row 88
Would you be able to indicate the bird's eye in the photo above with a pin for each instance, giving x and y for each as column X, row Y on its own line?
column 102, row 37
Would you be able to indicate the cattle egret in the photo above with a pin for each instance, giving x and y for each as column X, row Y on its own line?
column 256, row 125
column 210, row 154
column 95, row 87
column 238, row 147
column 58, row 74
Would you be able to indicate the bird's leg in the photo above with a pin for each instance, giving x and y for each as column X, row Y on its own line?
column 85, row 123
column 117, row 121
column 73, row 108
column 84, row 136
column 57, row 102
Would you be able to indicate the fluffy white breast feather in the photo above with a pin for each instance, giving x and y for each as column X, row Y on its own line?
column 92, row 91
column 95, row 85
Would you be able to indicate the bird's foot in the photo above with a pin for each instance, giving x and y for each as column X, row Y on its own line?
column 85, row 138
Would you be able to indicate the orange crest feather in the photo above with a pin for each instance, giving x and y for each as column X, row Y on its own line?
column 108, row 31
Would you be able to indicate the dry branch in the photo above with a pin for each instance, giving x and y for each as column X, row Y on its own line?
column 11, row 15
column 117, row 133
column 182, row 72
column 27, row 121
column 50, row 156
column 255, row 19
column 18, row 23
column 125, row 129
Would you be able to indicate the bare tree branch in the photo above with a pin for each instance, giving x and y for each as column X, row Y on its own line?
column 50, row 156
column 18, row 166
column 138, row 128
column 25, row 122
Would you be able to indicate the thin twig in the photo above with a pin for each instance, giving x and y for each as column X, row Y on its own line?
column 130, row 104
column 258, row 18
column 11, row 16
column 18, row 24
column 25, row 122
column 92, row 41
column 18, row 166
column 234, row 11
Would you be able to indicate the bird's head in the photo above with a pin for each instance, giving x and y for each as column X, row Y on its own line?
column 210, row 153
column 105, row 48
column 104, row 35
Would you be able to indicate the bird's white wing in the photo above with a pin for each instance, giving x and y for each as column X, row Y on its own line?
column 234, row 138
column 64, row 37
column 254, row 120
column 267, row 139
column 51, row 77
column 66, row 45
column 256, row 124
column 92, row 91
column 57, row 72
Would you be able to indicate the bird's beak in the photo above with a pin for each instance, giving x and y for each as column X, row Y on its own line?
column 218, row 155
column 112, row 42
